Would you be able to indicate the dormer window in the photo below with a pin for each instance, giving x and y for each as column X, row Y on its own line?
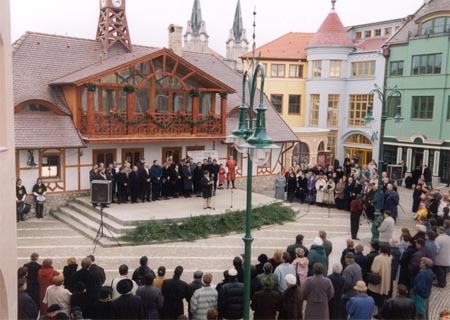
column 435, row 25
column 36, row 107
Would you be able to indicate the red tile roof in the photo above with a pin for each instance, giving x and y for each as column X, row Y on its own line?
column 290, row 46
column 369, row 44
column 331, row 33
column 45, row 130
column 39, row 59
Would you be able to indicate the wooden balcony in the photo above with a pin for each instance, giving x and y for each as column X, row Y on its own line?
column 115, row 125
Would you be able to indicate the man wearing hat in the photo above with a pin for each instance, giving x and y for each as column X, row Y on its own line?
column 231, row 298
column 442, row 260
column 422, row 285
column 361, row 306
column 351, row 274
column 267, row 302
column 127, row 306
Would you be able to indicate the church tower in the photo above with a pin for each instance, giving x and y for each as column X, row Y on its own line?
column 237, row 43
column 196, row 37
column 112, row 25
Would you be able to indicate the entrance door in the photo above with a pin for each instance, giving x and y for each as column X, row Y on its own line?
column 171, row 152
column 417, row 157
column 105, row 156
column 132, row 155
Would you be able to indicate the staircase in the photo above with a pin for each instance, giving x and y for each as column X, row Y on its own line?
column 86, row 219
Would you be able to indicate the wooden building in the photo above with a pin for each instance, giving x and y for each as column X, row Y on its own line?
column 80, row 101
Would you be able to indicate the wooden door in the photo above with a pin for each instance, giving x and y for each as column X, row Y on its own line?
column 173, row 152
column 132, row 155
column 105, row 156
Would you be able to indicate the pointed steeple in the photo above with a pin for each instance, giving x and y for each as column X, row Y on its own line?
column 332, row 32
column 196, row 17
column 238, row 26
column 237, row 43
column 196, row 37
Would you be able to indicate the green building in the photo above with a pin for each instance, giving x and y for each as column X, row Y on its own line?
column 418, row 57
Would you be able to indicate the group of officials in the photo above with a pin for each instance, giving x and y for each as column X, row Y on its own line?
column 151, row 183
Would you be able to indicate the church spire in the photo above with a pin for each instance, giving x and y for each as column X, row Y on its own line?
column 333, row 5
column 196, row 18
column 238, row 26
column 196, row 37
column 237, row 43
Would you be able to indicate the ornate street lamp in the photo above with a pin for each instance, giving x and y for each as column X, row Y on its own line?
column 393, row 93
column 251, row 138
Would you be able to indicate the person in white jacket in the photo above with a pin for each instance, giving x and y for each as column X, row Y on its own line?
column 442, row 261
column 386, row 228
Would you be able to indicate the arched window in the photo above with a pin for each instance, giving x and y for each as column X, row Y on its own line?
column 435, row 25
column 300, row 154
column 321, row 147
column 358, row 139
column 35, row 107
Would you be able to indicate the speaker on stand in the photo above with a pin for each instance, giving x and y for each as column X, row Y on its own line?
column 101, row 195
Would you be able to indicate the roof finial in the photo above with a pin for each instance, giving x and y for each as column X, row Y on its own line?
column 237, row 23
column 333, row 5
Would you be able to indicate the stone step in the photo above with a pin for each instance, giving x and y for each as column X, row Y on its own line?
column 85, row 203
column 95, row 215
column 85, row 226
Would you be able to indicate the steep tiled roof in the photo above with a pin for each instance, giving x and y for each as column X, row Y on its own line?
column 40, row 59
column 287, row 47
column 371, row 44
column 277, row 129
column 331, row 33
column 45, row 130
column 411, row 28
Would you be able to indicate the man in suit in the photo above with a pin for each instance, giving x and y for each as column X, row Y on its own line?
column 157, row 173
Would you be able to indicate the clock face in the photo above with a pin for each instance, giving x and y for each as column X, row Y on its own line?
column 102, row 3
column 117, row 3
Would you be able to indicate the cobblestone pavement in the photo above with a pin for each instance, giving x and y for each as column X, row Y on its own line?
column 51, row 238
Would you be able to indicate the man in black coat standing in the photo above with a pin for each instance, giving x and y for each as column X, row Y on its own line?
column 146, row 183
column 90, row 281
column 298, row 244
column 127, row 306
column 135, row 184
column 32, row 279
column 26, row 308
column 400, row 307
column 97, row 272
column 174, row 291
column 231, row 298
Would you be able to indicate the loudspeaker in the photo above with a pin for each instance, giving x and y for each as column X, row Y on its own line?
column 101, row 191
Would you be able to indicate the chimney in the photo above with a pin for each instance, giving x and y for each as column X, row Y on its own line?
column 175, row 39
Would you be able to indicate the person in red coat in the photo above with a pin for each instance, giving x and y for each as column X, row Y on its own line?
column 45, row 279
column 356, row 210
column 231, row 164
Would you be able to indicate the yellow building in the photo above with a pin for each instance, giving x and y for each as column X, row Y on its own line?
column 284, row 60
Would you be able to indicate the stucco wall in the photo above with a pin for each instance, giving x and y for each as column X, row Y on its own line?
column 8, row 262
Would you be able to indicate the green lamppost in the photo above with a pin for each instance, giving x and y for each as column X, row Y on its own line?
column 385, row 98
column 251, row 138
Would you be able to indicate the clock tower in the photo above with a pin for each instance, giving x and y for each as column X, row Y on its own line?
column 112, row 25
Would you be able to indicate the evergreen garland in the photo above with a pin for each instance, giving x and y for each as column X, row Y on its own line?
column 91, row 87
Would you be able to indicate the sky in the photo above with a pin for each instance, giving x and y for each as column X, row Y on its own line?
column 148, row 20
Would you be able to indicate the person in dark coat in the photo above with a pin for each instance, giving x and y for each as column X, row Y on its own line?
column 152, row 299
column 68, row 272
column 122, row 186
column 417, row 194
column 374, row 251
column 361, row 259
column 32, row 278
column 207, row 189
column 422, row 286
column 127, row 306
column 291, row 185
column 350, row 248
column 336, row 305
column 27, row 309
column 396, row 254
column 404, row 277
column 298, row 244
column 102, row 308
column 231, row 298
column 174, row 291
column 414, row 262
column 292, row 300
column 317, row 291
column 79, row 298
column 399, row 308
column 98, row 272
column 427, row 176
column 135, row 184
column 262, row 259
column 356, row 210
column 140, row 272
column 192, row 287
column 89, row 279
column 415, row 174
column 391, row 201
column 157, row 177
column 187, row 173
column 317, row 255
column 196, row 179
column 266, row 302
column 214, row 169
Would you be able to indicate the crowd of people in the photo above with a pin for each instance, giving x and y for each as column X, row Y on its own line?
column 392, row 281
column 144, row 182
